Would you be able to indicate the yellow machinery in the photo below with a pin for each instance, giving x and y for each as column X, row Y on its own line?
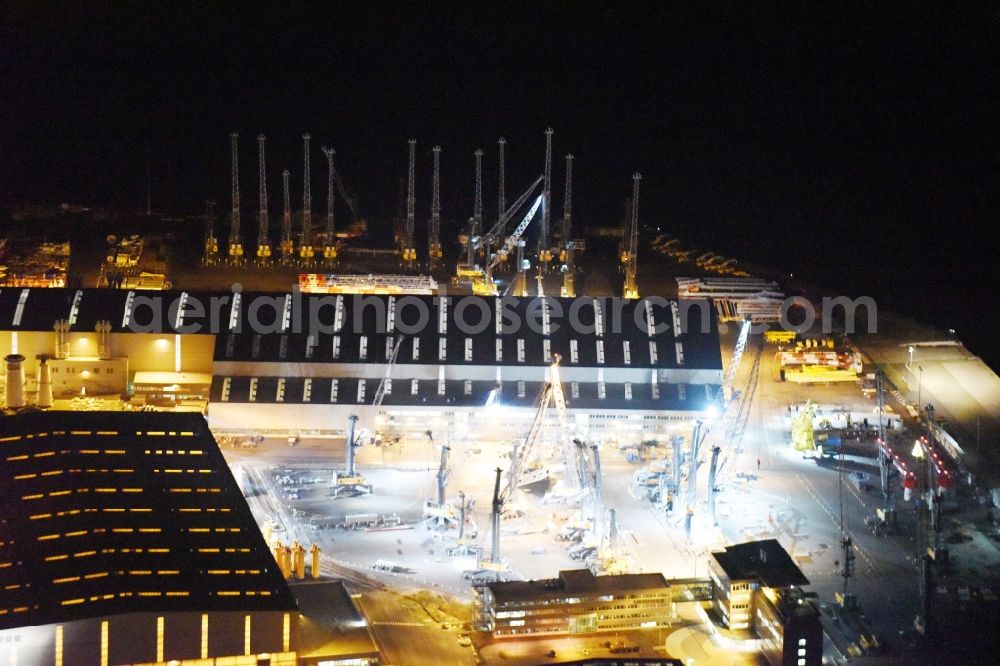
column 803, row 438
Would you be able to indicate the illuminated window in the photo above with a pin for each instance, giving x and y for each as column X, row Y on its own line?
column 600, row 351
column 627, row 348
column 574, row 351
column 336, row 346
column 520, row 350
column 104, row 643
column 547, row 350
column 468, row 349
column 363, row 351
column 204, row 636
column 159, row 639
column 443, row 349
column 253, row 389
column 499, row 350
column 307, row 389
column 280, row 392
column 286, row 630
column 416, row 349
column 679, row 351
column 333, row 390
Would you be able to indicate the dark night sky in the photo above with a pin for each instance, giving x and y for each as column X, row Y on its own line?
column 856, row 147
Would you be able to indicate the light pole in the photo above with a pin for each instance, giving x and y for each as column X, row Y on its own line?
column 920, row 385
column 922, row 621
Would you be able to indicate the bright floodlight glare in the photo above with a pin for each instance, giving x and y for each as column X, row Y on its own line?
column 918, row 450
column 712, row 411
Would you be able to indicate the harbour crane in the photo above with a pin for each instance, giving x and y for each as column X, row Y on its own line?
column 567, row 255
column 287, row 244
column 330, row 244
column 544, row 253
column 482, row 278
column 263, row 241
column 440, row 512
column 235, row 241
column 434, row 227
column 306, row 247
column 409, row 248
column 211, row 242
column 629, row 252
column 349, row 482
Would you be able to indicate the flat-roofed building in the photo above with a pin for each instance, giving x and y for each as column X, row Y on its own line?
column 758, row 593
column 576, row 601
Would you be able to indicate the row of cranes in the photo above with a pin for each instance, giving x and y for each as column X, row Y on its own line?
column 484, row 251
column 302, row 251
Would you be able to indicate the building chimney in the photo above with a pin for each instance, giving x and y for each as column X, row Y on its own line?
column 44, row 400
column 15, row 381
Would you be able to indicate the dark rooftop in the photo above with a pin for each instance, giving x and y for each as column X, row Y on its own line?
column 764, row 560
column 115, row 512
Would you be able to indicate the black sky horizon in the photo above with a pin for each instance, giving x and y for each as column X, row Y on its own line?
column 854, row 146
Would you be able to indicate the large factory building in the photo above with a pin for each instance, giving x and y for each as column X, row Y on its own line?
column 630, row 370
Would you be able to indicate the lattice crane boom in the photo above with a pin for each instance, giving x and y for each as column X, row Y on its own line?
column 544, row 253
column 502, row 197
column 263, row 240
column 568, row 203
column 287, row 244
column 387, row 377
column 477, row 209
column 631, row 287
column 409, row 251
column 434, row 228
column 306, row 247
column 235, row 242
column 330, row 248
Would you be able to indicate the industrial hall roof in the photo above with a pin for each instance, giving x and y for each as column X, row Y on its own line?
column 117, row 512
column 685, row 334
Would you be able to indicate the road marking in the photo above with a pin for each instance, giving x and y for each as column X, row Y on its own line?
column 836, row 521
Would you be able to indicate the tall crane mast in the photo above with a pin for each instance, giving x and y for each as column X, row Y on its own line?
column 287, row 244
column 409, row 249
column 434, row 228
column 502, row 198
column 544, row 253
column 330, row 246
column 568, row 204
column 211, row 243
column 631, row 288
column 263, row 242
column 477, row 208
column 568, row 252
column 235, row 243
column 306, row 248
